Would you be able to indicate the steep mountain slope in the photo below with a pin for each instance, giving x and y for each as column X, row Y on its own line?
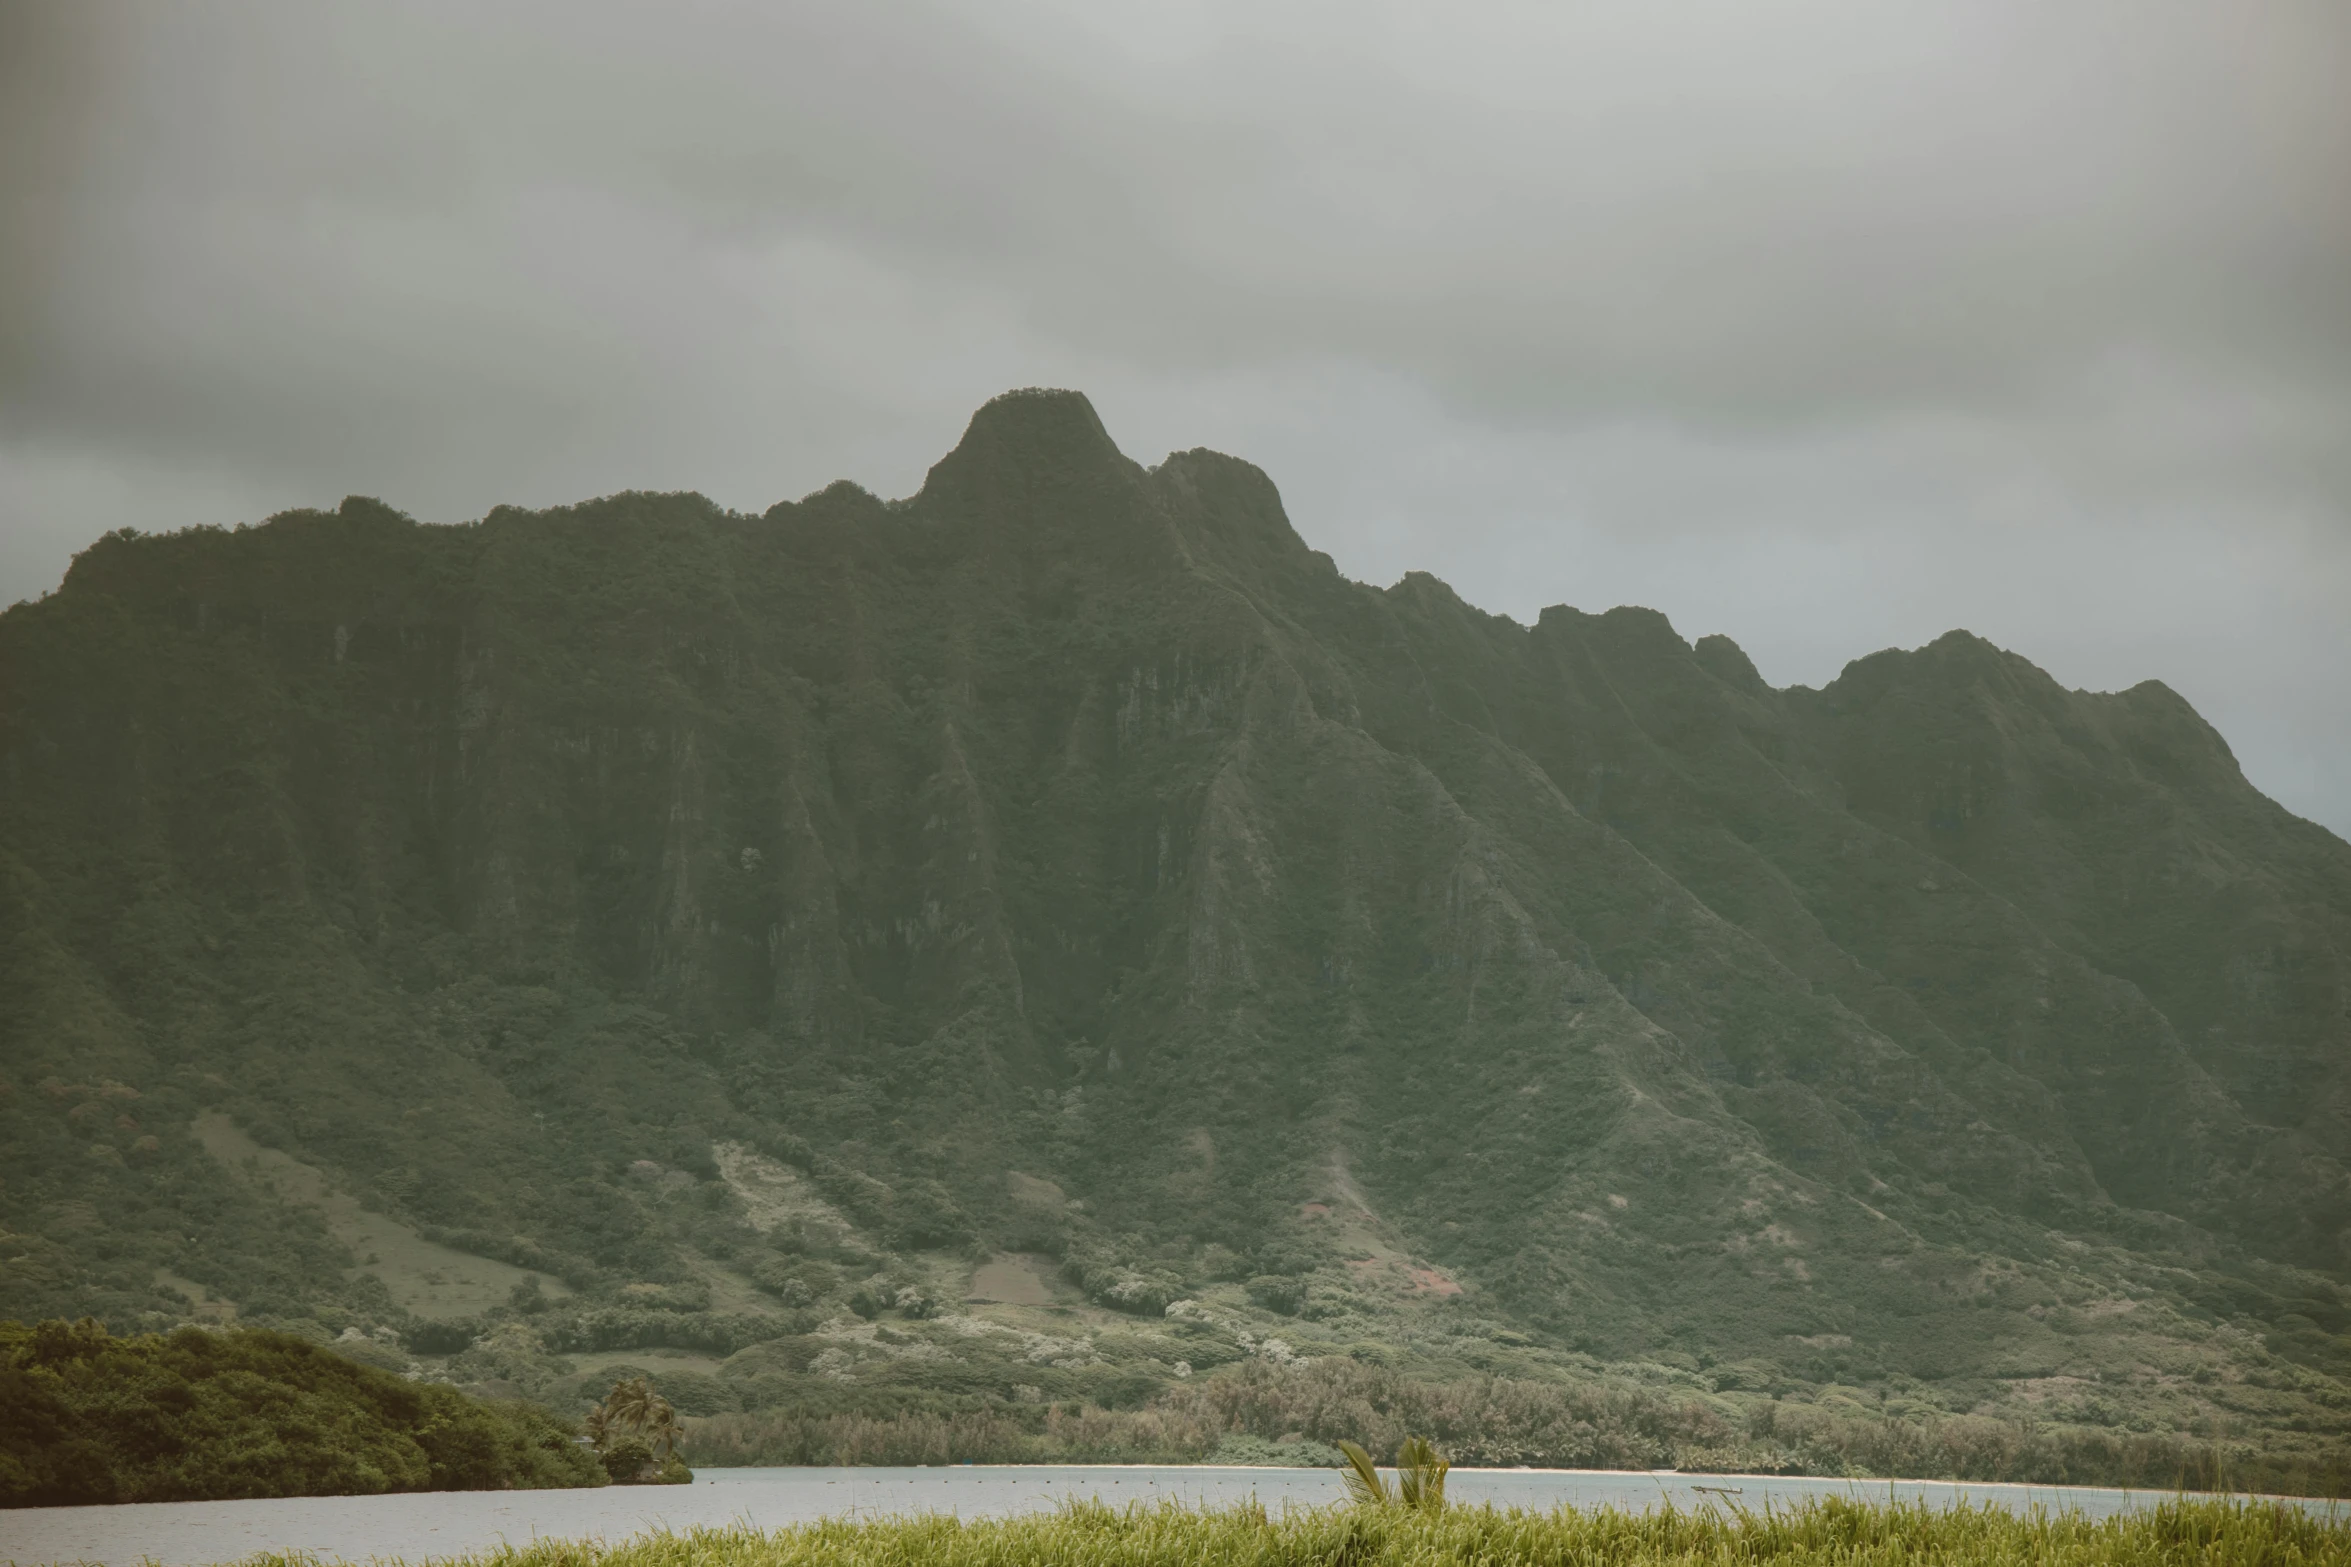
column 1068, row 860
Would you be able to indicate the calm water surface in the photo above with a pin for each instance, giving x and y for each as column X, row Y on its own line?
column 449, row 1523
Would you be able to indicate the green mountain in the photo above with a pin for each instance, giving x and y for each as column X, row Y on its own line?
column 1060, row 906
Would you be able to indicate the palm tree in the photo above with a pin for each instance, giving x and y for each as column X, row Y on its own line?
column 633, row 1406
column 663, row 1428
column 1420, row 1477
column 631, row 1402
column 1364, row 1484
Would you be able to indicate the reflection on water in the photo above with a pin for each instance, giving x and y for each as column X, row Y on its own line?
column 448, row 1523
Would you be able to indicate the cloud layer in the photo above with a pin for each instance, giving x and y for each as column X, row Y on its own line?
column 1829, row 325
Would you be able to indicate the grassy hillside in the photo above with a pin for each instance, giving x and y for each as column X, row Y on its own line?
column 1052, row 941
column 196, row 1415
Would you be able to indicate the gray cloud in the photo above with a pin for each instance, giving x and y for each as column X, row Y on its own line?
column 1830, row 325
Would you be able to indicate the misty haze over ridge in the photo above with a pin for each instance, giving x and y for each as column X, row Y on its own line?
column 1829, row 330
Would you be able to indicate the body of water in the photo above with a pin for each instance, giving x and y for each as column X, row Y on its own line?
column 441, row 1524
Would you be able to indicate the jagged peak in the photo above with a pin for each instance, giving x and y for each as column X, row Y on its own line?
column 1954, row 653
column 1234, row 491
column 1625, row 620
column 366, row 508
column 1418, row 584
column 1031, row 411
column 1020, row 439
column 1640, row 619
column 846, row 491
column 1429, row 591
column 1728, row 662
column 1197, row 464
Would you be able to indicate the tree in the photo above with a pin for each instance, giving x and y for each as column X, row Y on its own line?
column 663, row 1428
column 633, row 1419
column 631, row 1402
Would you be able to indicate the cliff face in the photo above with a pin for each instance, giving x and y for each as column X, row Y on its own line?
column 1073, row 828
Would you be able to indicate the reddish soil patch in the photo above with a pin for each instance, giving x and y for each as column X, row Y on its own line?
column 1314, row 1210
column 1428, row 1281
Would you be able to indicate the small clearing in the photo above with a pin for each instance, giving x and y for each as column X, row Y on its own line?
column 1403, row 1276
column 774, row 1195
column 1020, row 1278
column 1033, row 1192
column 425, row 1277
column 206, row 1305
column 653, row 1362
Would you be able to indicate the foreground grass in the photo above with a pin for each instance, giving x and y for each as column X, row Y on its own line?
column 1850, row 1534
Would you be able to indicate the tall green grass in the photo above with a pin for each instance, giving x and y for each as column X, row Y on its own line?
column 2204, row 1533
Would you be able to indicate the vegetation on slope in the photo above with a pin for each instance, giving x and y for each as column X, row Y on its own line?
column 197, row 1415
column 1053, row 942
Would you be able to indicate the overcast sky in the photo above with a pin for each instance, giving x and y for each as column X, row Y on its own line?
column 1831, row 326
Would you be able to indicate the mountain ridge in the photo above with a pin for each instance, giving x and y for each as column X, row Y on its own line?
column 1075, row 824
